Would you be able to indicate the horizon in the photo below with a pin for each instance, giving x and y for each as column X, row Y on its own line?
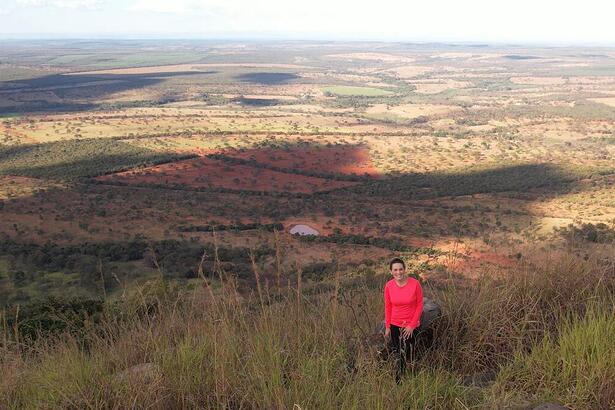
column 547, row 23
column 253, row 38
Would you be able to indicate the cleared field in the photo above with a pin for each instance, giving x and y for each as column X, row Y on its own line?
column 344, row 159
column 539, row 80
column 122, row 59
column 349, row 91
column 610, row 101
column 207, row 173
column 429, row 87
column 408, row 71
column 410, row 111
column 177, row 68
column 372, row 57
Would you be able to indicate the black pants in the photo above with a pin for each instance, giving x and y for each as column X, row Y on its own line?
column 401, row 350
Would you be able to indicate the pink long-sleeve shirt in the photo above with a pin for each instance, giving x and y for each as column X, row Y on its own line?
column 403, row 305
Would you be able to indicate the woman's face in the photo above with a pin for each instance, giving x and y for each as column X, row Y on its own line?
column 398, row 271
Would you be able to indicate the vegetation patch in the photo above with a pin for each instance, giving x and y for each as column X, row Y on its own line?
column 268, row 78
column 76, row 159
column 470, row 181
column 588, row 232
column 394, row 244
column 238, row 227
column 350, row 91
column 31, row 273
column 521, row 57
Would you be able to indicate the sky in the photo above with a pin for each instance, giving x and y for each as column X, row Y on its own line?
column 562, row 22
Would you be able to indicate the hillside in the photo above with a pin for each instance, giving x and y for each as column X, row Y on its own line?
column 150, row 195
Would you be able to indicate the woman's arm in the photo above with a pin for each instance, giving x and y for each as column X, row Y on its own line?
column 387, row 308
column 416, row 318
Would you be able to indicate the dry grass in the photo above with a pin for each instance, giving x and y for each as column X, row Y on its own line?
column 539, row 80
column 435, row 87
column 285, row 347
column 410, row 111
column 610, row 101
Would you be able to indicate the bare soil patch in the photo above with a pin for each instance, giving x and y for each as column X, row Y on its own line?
column 410, row 111
column 408, row 71
column 202, row 173
column 372, row 57
column 345, row 159
column 538, row 80
column 435, row 87
column 610, row 101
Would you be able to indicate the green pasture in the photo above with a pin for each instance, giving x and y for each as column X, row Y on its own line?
column 351, row 91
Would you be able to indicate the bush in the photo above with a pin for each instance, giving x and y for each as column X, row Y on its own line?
column 597, row 233
column 54, row 316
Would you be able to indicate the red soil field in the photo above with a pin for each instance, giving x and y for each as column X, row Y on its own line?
column 211, row 173
column 345, row 159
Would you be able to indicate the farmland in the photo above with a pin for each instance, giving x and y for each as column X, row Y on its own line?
column 347, row 91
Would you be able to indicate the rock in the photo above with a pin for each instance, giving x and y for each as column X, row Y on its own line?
column 550, row 406
column 431, row 311
column 144, row 372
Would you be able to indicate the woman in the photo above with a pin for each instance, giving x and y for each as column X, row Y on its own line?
column 403, row 305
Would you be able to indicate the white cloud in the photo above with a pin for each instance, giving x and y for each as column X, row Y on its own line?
column 164, row 6
column 65, row 4
column 190, row 6
column 470, row 19
column 73, row 4
column 30, row 2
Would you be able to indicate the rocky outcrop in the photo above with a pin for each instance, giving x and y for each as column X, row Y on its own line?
column 431, row 312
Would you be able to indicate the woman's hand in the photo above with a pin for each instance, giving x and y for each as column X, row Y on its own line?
column 387, row 334
column 406, row 332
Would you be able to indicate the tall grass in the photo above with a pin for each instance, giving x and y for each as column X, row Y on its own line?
column 577, row 367
column 545, row 329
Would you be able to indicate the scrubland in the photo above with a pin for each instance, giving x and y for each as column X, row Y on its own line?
column 147, row 194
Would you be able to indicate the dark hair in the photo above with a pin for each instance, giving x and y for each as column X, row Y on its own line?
column 396, row 260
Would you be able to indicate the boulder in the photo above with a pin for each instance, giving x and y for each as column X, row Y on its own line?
column 431, row 311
